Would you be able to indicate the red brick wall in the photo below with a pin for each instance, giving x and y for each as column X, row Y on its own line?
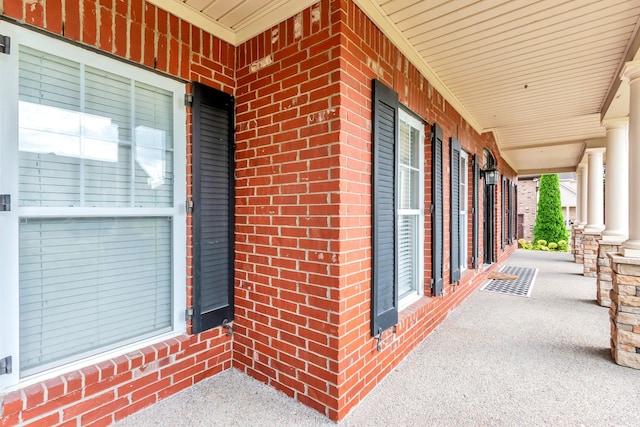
column 107, row 392
column 303, row 209
column 528, row 205
column 304, row 159
column 289, row 192
column 368, row 54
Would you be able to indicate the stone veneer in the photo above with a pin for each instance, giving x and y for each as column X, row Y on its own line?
column 590, row 253
column 625, row 310
column 605, row 281
column 577, row 244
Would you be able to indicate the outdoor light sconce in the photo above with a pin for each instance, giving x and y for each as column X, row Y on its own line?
column 491, row 176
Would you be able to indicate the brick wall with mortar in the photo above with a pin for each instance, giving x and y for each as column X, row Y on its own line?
column 303, row 230
column 111, row 390
column 527, row 206
column 304, row 160
column 604, row 282
column 291, row 180
column 625, row 310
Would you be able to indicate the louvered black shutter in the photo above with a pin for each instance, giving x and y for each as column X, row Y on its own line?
column 384, row 300
column 455, row 210
column 213, row 213
column 437, row 211
column 475, row 212
column 510, row 218
column 504, row 212
column 512, row 210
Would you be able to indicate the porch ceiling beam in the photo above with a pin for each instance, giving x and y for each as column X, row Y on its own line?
column 631, row 54
column 590, row 143
column 542, row 171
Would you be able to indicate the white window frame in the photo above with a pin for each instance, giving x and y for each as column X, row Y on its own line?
column 405, row 116
column 9, row 221
column 464, row 209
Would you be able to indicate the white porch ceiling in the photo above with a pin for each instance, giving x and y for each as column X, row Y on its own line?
column 540, row 74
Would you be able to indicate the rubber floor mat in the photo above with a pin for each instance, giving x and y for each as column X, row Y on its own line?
column 522, row 286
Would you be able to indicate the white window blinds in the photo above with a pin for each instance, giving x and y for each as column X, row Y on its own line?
column 409, row 214
column 90, row 137
column 90, row 283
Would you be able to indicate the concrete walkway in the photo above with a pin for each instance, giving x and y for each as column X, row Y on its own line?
column 497, row 360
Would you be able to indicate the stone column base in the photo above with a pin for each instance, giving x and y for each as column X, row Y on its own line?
column 590, row 254
column 605, row 281
column 576, row 243
column 625, row 310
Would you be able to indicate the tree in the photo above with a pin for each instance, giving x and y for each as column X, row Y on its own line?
column 550, row 224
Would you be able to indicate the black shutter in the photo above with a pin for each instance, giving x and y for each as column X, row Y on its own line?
column 455, row 210
column 475, row 211
column 512, row 210
column 213, row 212
column 515, row 212
column 503, row 224
column 437, row 211
column 509, row 212
column 384, row 300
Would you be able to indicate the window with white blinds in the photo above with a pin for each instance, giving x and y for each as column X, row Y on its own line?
column 464, row 209
column 410, row 213
column 101, row 236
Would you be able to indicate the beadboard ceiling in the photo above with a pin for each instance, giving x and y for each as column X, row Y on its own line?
column 541, row 75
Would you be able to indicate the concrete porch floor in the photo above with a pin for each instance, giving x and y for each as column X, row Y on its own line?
column 496, row 360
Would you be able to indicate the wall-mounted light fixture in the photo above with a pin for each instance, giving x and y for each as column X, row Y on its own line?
column 491, row 176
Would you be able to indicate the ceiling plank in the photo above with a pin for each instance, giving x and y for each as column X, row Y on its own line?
column 189, row 14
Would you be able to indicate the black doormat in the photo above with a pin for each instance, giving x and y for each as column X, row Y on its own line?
column 522, row 286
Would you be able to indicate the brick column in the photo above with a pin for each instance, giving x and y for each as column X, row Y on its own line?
column 577, row 244
column 590, row 253
column 604, row 277
column 625, row 310
column 625, row 266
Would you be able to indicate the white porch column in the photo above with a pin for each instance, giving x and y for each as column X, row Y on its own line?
column 631, row 247
column 617, row 183
column 595, row 197
column 578, row 195
column 583, row 186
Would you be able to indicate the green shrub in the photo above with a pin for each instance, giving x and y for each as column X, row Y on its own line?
column 549, row 224
column 525, row 245
column 542, row 245
column 563, row 246
column 539, row 247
